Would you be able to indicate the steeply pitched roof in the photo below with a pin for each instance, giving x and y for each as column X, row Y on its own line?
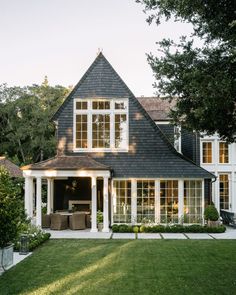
column 157, row 108
column 68, row 163
column 150, row 153
column 13, row 169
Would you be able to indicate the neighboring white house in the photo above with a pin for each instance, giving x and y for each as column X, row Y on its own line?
column 219, row 158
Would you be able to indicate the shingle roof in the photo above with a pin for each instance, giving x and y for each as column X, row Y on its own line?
column 150, row 154
column 13, row 169
column 157, row 108
column 68, row 163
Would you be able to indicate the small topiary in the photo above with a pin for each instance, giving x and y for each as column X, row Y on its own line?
column 136, row 229
column 211, row 213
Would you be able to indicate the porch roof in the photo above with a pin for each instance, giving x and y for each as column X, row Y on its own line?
column 67, row 163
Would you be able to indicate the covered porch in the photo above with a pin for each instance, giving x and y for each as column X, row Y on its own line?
column 73, row 184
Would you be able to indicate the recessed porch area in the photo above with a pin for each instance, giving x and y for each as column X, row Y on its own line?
column 70, row 194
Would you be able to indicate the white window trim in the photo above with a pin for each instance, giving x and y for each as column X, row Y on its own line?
column 212, row 152
column 218, row 154
column 89, row 111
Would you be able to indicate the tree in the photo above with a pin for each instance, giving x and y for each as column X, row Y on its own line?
column 26, row 133
column 201, row 80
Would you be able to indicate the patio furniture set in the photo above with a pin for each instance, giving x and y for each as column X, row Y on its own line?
column 65, row 220
column 228, row 217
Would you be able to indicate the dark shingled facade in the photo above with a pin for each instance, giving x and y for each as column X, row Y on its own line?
column 150, row 154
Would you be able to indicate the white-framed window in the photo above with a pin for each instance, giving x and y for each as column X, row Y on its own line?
column 101, row 125
column 223, row 152
column 206, row 152
column 122, row 201
column 193, row 201
column 224, row 191
column 169, row 201
column 145, row 201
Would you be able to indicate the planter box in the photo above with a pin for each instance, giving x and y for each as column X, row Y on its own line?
column 100, row 226
column 6, row 257
column 213, row 223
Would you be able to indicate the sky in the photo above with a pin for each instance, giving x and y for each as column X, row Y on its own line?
column 61, row 38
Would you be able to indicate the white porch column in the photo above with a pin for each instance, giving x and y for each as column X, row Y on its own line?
column 49, row 191
column 52, row 194
column 39, row 201
column 181, row 201
column 105, row 205
column 94, row 205
column 31, row 196
column 133, row 201
column 27, row 196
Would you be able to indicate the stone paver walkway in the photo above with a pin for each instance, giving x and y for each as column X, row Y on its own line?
column 86, row 234
column 129, row 236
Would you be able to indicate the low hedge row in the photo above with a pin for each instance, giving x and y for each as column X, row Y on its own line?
column 34, row 241
column 178, row 228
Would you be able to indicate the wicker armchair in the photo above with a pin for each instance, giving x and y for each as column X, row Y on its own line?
column 46, row 221
column 58, row 221
column 88, row 220
column 77, row 221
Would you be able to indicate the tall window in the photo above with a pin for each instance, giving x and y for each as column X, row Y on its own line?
column 145, row 201
column 169, row 201
column 207, row 152
column 101, row 131
column 122, row 201
column 101, row 124
column 223, row 152
column 81, row 138
column 192, row 201
column 224, row 191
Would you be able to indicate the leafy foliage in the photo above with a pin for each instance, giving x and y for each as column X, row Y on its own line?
column 11, row 208
column 201, row 80
column 26, row 133
column 36, row 236
column 211, row 213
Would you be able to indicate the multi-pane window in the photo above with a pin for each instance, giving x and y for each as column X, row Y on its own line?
column 101, row 105
column 120, row 130
column 81, row 140
column 122, row 201
column 101, row 131
column 207, row 152
column 192, row 201
column 105, row 123
column 169, row 201
column 81, row 105
column 145, row 201
column 224, row 191
column 223, row 152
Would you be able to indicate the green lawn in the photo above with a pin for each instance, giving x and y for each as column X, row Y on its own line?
column 126, row 267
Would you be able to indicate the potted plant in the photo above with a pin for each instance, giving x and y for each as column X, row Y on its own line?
column 11, row 215
column 100, row 220
column 211, row 215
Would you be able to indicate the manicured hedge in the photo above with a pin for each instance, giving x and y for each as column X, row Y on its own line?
column 178, row 228
column 34, row 241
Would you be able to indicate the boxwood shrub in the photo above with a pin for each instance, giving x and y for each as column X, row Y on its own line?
column 177, row 228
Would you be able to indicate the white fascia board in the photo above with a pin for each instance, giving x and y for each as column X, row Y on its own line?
column 66, row 173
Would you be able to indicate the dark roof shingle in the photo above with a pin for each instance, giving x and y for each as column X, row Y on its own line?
column 13, row 169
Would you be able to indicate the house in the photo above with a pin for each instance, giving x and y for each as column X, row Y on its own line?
column 13, row 169
column 210, row 152
column 112, row 156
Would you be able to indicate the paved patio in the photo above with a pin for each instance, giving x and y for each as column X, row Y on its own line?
column 86, row 234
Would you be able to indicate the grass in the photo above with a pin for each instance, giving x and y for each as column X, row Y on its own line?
column 126, row 267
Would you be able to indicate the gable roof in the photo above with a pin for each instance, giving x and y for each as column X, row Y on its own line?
column 150, row 152
column 13, row 169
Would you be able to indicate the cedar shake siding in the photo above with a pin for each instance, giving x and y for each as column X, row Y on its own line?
column 150, row 153
column 190, row 144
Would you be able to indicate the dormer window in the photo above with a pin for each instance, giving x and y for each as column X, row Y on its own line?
column 100, row 125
